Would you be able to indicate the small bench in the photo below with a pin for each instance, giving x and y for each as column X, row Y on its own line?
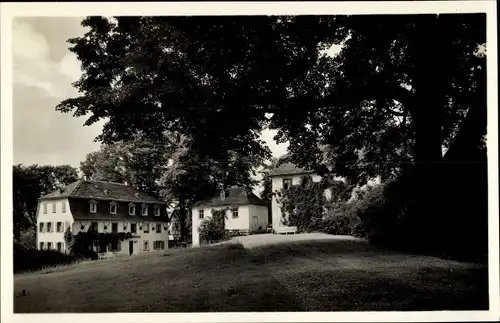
column 286, row 230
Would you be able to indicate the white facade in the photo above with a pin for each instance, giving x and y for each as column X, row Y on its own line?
column 251, row 218
column 53, row 218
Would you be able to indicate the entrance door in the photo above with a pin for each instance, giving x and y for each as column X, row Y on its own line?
column 255, row 223
column 130, row 247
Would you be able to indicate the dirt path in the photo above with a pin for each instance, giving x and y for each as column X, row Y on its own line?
column 258, row 240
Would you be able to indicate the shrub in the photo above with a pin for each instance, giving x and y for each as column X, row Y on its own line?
column 26, row 259
column 28, row 238
column 342, row 220
column 69, row 239
column 213, row 229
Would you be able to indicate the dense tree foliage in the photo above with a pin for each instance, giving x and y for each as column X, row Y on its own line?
column 32, row 182
column 139, row 161
column 402, row 88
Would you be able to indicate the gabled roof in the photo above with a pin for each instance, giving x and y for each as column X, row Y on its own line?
column 287, row 168
column 234, row 196
column 99, row 190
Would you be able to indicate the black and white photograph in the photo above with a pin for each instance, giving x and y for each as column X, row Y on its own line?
column 255, row 161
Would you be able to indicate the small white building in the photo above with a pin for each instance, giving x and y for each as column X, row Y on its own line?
column 106, row 207
column 245, row 212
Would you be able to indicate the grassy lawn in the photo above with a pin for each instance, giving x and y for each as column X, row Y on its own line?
column 296, row 276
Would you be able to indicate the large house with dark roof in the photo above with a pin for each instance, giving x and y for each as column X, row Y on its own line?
column 107, row 207
column 245, row 212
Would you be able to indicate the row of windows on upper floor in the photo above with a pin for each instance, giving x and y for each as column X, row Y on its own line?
column 145, row 227
column 113, row 207
column 234, row 212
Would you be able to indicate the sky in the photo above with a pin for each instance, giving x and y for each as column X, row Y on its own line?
column 44, row 69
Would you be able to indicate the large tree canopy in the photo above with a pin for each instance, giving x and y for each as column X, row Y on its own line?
column 402, row 87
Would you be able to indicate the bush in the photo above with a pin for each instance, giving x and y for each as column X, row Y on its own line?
column 342, row 220
column 28, row 238
column 32, row 259
column 213, row 229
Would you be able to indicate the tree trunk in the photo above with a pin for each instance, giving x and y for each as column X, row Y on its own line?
column 182, row 218
column 427, row 115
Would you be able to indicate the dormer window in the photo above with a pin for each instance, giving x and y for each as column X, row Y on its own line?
column 93, row 206
column 137, row 195
column 106, row 192
column 223, row 195
column 144, row 209
column 112, row 207
column 131, row 209
column 157, row 210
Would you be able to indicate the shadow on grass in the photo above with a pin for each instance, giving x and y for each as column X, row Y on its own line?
column 297, row 276
column 218, row 278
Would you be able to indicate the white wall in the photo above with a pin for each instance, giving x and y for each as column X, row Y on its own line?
column 138, row 242
column 242, row 222
column 258, row 216
column 59, row 216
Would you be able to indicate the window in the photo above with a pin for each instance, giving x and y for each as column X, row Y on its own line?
column 114, row 227
column 41, row 227
column 59, row 246
column 159, row 245
column 146, row 245
column 144, row 209
column 41, row 246
column 49, row 245
column 49, row 226
column 93, row 207
column 112, row 208
column 146, row 227
column 63, row 206
column 59, row 227
column 53, row 207
column 234, row 210
column 287, row 183
column 44, row 208
column 157, row 211
column 131, row 209
column 133, row 228
column 158, row 228
column 200, row 214
column 94, row 226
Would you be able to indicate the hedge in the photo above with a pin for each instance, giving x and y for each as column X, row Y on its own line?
column 32, row 259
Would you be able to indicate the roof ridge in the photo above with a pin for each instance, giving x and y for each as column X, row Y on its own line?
column 109, row 182
column 79, row 183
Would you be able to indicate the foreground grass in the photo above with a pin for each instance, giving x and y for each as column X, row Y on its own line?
column 313, row 276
